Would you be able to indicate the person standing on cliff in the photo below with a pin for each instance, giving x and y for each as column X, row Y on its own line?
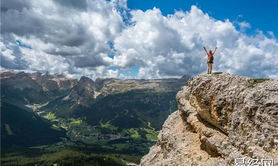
column 210, row 55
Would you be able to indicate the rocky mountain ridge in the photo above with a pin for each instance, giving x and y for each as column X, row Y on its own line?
column 81, row 91
column 220, row 117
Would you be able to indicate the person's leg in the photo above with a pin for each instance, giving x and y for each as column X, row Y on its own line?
column 209, row 64
column 210, row 68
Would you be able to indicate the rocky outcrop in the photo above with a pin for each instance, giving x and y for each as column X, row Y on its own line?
column 18, row 81
column 36, row 81
column 53, row 82
column 83, row 92
column 220, row 117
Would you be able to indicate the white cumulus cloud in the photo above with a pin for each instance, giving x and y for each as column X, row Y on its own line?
column 79, row 38
column 173, row 45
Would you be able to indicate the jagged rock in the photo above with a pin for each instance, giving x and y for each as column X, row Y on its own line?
column 53, row 82
column 19, row 81
column 220, row 117
column 83, row 92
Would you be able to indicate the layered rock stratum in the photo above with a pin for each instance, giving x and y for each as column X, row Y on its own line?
column 222, row 119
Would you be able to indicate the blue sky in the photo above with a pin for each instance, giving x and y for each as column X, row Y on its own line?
column 257, row 13
column 260, row 14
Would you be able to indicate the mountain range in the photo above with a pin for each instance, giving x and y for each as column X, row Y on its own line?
column 104, row 115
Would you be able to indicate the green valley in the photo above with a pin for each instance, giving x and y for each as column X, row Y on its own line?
column 81, row 121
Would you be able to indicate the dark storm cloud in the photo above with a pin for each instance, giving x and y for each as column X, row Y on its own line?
column 67, row 34
column 21, row 23
column 16, row 64
column 64, row 51
column 89, row 61
column 79, row 4
column 14, row 5
column 60, row 32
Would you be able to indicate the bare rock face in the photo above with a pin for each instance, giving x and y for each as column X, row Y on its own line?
column 53, row 82
column 19, row 81
column 83, row 92
column 220, row 117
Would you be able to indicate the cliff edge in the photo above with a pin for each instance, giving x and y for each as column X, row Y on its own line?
column 220, row 118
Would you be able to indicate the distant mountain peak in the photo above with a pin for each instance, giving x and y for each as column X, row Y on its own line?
column 84, row 78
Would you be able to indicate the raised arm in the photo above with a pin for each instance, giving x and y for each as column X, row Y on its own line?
column 214, row 50
column 205, row 49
